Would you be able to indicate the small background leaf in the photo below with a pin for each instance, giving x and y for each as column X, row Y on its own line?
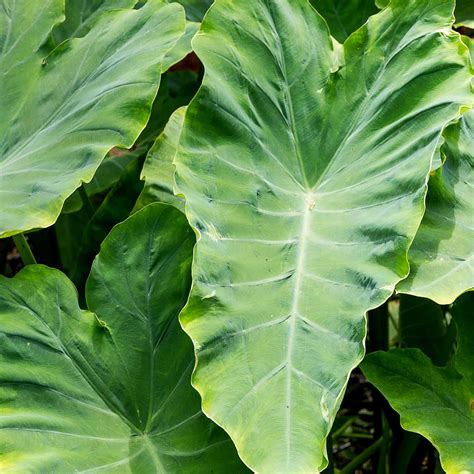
column 441, row 256
column 435, row 402
column 158, row 170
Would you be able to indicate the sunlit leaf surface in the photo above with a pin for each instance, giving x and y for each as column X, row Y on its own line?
column 305, row 181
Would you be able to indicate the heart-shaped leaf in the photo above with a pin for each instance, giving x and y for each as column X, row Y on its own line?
column 305, row 182
column 62, row 114
column 441, row 257
column 109, row 391
column 436, row 402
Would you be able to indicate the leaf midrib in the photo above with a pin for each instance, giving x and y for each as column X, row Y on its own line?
column 299, row 276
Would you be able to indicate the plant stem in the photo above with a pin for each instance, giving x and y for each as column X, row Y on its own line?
column 24, row 249
column 379, row 340
column 358, row 436
column 340, row 431
column 86, row 201
column 362, row 457
column 330, row 468
column 378, row 329
column 383, row 458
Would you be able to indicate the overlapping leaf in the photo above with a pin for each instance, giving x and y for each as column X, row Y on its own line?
column 195, row 9
column 423, row 324
column 81, row 14
column 110, row 391
column 305, row 183
column 80, row 235
column 344, row 16
column 433, row 401
column 158, row 170
column 465, row 13
column 61, row 115
column 442, row 257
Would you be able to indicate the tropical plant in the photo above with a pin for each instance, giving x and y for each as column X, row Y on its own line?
column 230, row 206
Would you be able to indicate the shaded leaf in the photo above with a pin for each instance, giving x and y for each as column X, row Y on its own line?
column 435, row 402
column 344, row 16
column 107, row 391
column 423, row 324
column 465, row 13
column 107, row 174
column 176, row 90
column 195, row 9
column 84, row 242
column 158, row 170
column 441, row 257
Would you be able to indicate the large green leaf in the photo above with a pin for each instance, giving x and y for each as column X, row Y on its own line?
column 305, row 183
column 344, row 16
column 60, row 116
column 158, row 170
column 81, row 14
column 108, row 391
column 435, row 402
column 441, row 257
column 464, row 11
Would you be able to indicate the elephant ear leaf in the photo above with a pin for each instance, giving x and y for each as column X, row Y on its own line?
column 108, row 391
column 441, row 257
column 63, row 113
column 305, row 183
column 436, row 402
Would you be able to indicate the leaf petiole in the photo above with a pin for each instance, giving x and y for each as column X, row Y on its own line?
column 86, row 201
column 24, row 249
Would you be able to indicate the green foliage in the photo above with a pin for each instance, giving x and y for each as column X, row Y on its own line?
column 424, row 324
column 158, row 170
column 441, row 258
column 305, row 201
column 107, row 388
column 465, row 13
column 433, row 401
column 195, row 9
column 344, row 16
column 80, row 234
column 88, row 95
column 306, row 185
